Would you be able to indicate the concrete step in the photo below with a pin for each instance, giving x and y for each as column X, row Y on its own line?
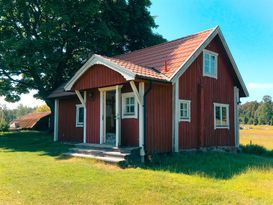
column 114, row 160
column 100, row 152
column 106, row 147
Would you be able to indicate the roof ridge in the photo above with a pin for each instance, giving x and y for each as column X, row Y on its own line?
column 184, row 37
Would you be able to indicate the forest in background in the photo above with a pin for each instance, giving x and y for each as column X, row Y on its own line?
column 257, row 113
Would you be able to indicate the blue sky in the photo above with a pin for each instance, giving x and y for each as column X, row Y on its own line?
column 246, row 24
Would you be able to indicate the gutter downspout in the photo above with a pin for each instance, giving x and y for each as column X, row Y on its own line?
column 145, row 114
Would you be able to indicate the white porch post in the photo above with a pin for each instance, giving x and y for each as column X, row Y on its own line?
column 101, row 116
column 84, row 118
column 83, row 102
column 56, row 120
column 236, row 116
column 141, row 119
column 176, row 116
column 118, row 114
column 139, row 95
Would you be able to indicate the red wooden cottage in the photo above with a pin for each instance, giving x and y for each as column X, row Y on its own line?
column 182, row 94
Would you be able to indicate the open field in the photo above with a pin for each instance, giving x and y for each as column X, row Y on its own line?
column 261, row 135
column 33, row 171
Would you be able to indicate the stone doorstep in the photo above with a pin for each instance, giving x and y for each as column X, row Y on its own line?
column 113, row 160
column 106, row 147
column 106, row 153
column 100, row 152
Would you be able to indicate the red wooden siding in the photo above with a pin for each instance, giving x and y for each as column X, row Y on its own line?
column 98, row 76
column 67, row 121
column 203, row 92
column 93, row 116
column 159, row 119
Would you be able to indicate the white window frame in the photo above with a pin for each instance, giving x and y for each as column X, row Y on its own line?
column 221, row 105
column 188, row 102
column 129, row 95
column 78, row 124
column 210, row 53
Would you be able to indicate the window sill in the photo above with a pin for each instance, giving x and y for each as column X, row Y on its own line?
column 210, row 76
column 216, row 128
column 79, row 125
column 129, row 116
column 184, row 120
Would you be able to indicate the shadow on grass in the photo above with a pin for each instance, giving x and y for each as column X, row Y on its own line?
column 33, row 141
column 217, row 165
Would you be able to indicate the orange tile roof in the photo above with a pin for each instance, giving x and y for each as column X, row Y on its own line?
column 171, row 55
column 28, row 121
column 142, row 71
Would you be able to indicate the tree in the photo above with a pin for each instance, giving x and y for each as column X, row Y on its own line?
column 42, row 108
column 267, row 99
column 43, row 42
column 22, row 110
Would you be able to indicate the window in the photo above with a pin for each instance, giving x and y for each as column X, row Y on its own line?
column 185, row 110
column 210, row 64
column 129, row 105
column 221, row 116
column 79, row 115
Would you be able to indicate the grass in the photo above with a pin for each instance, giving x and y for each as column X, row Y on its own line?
column 260, row 135
column 33, row 171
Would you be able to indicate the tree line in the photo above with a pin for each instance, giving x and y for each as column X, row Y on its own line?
column 257, row 113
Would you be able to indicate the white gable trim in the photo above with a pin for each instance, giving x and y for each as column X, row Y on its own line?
column 95, row 60
column 200, row 49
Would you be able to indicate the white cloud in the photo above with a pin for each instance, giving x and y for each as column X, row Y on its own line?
column 260, row 86
column 26, row 99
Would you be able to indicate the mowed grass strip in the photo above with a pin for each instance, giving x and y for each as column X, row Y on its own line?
column 33, row 171
column 260, row 135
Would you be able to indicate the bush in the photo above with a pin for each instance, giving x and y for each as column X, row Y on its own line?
column 4, row 126
column 254, row 149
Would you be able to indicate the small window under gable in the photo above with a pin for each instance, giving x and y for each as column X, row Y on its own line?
column 210, row 64
column 129, row 105
column 79, row 115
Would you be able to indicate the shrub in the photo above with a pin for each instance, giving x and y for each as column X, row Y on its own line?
column 3, row 126
column 254, row 149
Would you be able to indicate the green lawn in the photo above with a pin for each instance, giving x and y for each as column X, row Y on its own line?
column 33, row 171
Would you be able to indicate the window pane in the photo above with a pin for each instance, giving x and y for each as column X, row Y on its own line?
column 207, row 66
column 212, row 64
column 224, row 116
column 217, row 116
column 132, row 109
column 132, row 100
column 80, row 110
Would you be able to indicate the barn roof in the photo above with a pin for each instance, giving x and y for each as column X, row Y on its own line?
column 29, row 121
column 164, row 62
